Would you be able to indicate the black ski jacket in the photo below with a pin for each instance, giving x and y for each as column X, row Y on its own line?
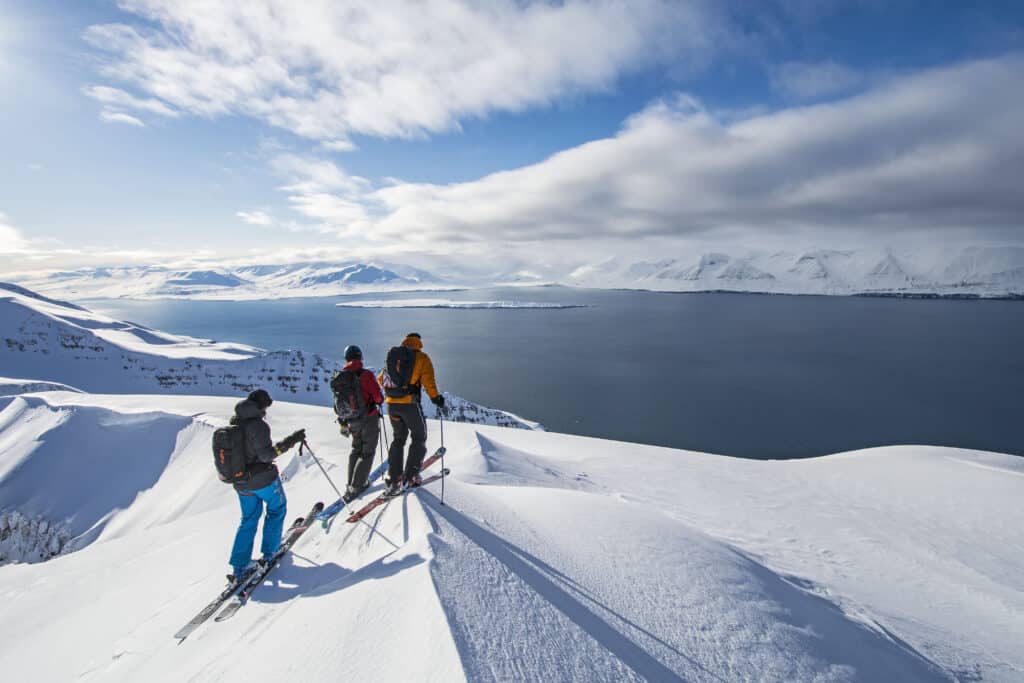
column 259, row 449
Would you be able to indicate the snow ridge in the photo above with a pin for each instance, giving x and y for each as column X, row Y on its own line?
column 550, row 560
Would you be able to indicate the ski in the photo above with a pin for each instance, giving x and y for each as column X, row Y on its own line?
column 328, row 513
column 224, row 596
column 382, row 499
column 242, row 594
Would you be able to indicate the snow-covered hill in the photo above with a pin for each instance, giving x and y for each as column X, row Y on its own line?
column 554, row 558
column 49, row 340
column 975, row 271
column 248, row 282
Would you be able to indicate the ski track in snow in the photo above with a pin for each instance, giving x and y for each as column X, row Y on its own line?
column 552, row 560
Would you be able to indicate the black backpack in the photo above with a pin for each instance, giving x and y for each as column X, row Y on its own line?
column 349, row 401
column 229, row 456
column 398, row 372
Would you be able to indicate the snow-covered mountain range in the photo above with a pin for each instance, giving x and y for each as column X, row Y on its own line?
column 974, row 271
column 54, row 341
column 967, row 272
column 246, row 282
column 554, row 558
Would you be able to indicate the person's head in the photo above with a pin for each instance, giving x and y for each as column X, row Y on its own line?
column 413, row 341
column 353, row 352
column 261, row 398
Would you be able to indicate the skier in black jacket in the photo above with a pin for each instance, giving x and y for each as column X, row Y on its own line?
column 262, row 485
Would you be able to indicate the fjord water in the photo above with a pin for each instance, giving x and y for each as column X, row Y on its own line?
column 736, row 374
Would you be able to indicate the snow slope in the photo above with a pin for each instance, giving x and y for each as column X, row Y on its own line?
column 555, row 558
column 972, row 271
column 60, row 342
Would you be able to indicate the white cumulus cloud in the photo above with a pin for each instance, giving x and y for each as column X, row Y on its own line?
column 11, row 241
column 327, row 70
column 939, row 149
column 118, row 117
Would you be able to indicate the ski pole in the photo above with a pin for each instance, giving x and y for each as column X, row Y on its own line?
column 440, row 413
column 384, row 444
column 317, row 460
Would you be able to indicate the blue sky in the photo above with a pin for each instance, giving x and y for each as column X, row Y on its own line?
column 151, row 131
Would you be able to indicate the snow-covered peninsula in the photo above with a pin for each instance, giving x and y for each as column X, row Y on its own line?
column 46, row 339
column 452, row 303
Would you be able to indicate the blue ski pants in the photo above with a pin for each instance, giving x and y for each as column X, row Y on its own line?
column 252, row 508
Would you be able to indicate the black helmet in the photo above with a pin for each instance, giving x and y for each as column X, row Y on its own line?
column 353, row 352
column 261, row 398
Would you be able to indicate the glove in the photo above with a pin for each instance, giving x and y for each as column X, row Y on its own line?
column 438, row 401
column 346, row 431
column 290, row 441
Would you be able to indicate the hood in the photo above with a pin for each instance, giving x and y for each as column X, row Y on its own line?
column 247, row 410
column 413, row 343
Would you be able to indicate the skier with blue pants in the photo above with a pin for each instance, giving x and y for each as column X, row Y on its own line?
column 262, row 484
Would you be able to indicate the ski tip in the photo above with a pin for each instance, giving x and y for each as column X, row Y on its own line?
column 441, row 451
column 318, row 507
column 445, row 472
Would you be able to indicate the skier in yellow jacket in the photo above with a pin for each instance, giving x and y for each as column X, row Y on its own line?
column 407, row 373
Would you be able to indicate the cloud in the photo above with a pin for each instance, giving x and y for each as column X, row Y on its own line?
column 120, row 99
column 115, row 101
column 389, row 68
column 116, row 117
column 11, row 241
column 937, row 150
column 807, row 81
column 257, row 217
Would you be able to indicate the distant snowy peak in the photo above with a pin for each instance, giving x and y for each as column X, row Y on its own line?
column 809, row 267
column 248, row 282
column 976, row 271
column 205, row 278
column 744, row 271
column 979, row 265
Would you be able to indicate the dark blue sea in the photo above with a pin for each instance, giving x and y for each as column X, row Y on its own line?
column 745, row 375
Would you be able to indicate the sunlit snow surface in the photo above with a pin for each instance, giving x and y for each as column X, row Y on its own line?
column 554, row 558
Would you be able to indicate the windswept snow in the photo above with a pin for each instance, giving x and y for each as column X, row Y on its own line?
column 449, row 303
column 554, row 558
column 10, row 386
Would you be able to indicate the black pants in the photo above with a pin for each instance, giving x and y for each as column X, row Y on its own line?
column 365, row 433
column 406, row 420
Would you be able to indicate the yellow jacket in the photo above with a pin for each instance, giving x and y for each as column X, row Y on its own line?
column 422, row 373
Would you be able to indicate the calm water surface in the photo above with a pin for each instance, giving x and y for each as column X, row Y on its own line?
column 745, row 375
